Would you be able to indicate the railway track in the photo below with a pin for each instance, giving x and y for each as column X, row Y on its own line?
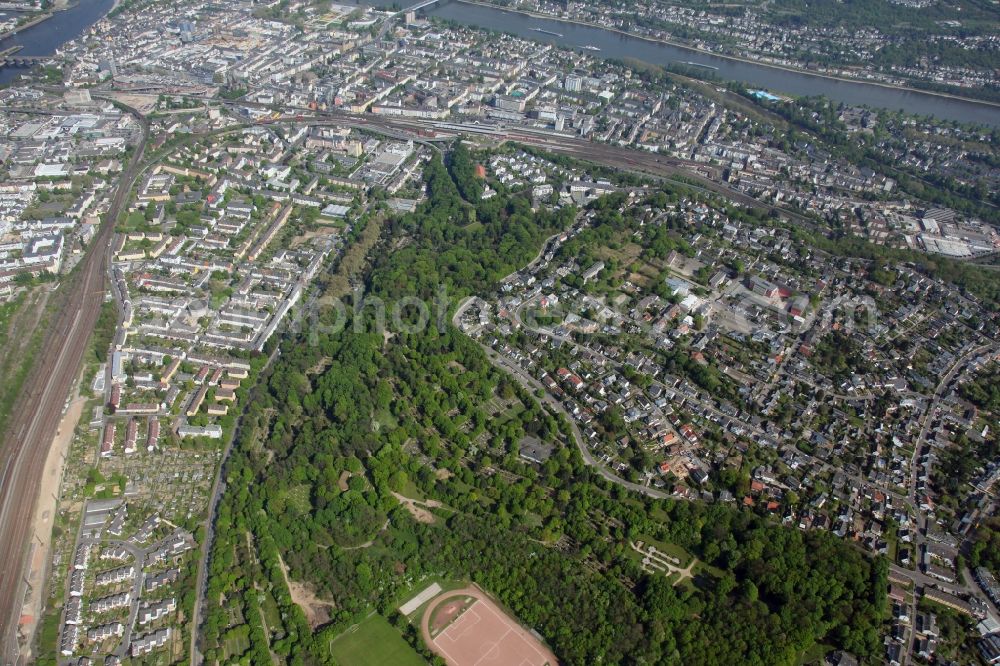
column 36, row 415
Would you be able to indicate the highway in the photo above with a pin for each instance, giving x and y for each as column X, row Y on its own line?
column 38, row 410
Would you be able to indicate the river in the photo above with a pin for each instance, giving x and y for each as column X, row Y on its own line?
column 617, row 45
column 47, row 36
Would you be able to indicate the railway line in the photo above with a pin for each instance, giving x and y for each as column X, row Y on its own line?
column 38, row 410
column 621, row 157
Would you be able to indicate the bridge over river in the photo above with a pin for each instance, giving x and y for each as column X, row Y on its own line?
column 9, row 56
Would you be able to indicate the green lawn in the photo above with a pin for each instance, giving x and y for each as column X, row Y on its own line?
column 671, row 549
column 814, row 654
column 386, row 419
column 447, row 584
column 374, row 642
column 411, row 490
column 272, row 616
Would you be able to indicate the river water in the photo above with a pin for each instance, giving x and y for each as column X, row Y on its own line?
column 49, row 35
column 616, row 45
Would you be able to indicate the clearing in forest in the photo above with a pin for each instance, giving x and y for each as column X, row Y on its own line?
column 419, row 508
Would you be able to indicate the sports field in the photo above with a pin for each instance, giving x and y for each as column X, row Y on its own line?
column 374, row 642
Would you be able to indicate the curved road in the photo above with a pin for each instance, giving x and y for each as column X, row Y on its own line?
column 37, row 412
column 533, row 385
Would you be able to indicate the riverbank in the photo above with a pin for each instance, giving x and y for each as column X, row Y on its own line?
column 748, row 61
column 58, row 6
column 24, row 26
column 46, row 37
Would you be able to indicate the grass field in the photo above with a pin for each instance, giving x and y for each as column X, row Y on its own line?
column 446, row 584
column 411, row 490
column 386, row 420
column 669, row 548
column 298, row 497
column 235, row 642
column 272, row 616
column 814, row 654
column 372, row 643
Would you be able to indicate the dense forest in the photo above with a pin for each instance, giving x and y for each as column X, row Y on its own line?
column 341, row 428
column 984, row 390
column 889, row 17
column 459, row 241
column 985, row 550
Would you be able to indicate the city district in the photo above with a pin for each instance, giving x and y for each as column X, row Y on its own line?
column 697, row 294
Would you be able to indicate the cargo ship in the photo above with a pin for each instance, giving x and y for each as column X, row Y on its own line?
column 698, row 64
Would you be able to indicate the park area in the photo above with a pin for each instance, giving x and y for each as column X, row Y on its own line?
column 467, row 628
column 374, row 642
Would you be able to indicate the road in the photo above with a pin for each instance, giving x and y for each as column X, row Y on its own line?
column 218, row 488
column 36, row 414
column 932, row 408
column 925, row 426
column 923, row 580
column 921, row 516
column 139, row 562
